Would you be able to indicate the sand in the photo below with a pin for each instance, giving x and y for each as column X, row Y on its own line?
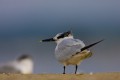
column 94, row 76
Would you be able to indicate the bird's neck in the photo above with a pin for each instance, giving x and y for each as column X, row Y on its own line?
column 60, row 40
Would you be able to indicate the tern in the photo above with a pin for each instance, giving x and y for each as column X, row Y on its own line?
column 22, row 65
column 70, row 51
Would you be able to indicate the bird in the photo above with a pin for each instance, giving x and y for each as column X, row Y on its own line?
column 70, row 51
column 22, row 65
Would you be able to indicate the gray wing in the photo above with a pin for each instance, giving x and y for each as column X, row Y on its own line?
column 8, row 68
column 67, row 48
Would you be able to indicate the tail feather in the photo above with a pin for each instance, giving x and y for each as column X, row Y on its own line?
column 91, row 45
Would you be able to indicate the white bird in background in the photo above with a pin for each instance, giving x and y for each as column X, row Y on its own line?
column 70, row 51
column 23, row 65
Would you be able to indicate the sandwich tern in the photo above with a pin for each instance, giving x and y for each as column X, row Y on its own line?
column 70, row 51
column 22, row 65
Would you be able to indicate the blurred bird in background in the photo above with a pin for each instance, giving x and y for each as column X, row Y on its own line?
column 70, row 51
column 22, row 65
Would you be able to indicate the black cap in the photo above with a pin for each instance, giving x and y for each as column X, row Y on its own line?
column 25, row 56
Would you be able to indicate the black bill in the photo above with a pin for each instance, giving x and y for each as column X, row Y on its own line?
column 47, row 40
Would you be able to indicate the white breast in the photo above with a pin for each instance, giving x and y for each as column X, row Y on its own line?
column 25, row 67
column 68, row 47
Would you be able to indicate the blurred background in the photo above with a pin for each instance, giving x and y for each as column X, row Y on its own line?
column 24, row 22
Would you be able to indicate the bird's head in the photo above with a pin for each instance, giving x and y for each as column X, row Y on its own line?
column 59, row 37
column 25, row 64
